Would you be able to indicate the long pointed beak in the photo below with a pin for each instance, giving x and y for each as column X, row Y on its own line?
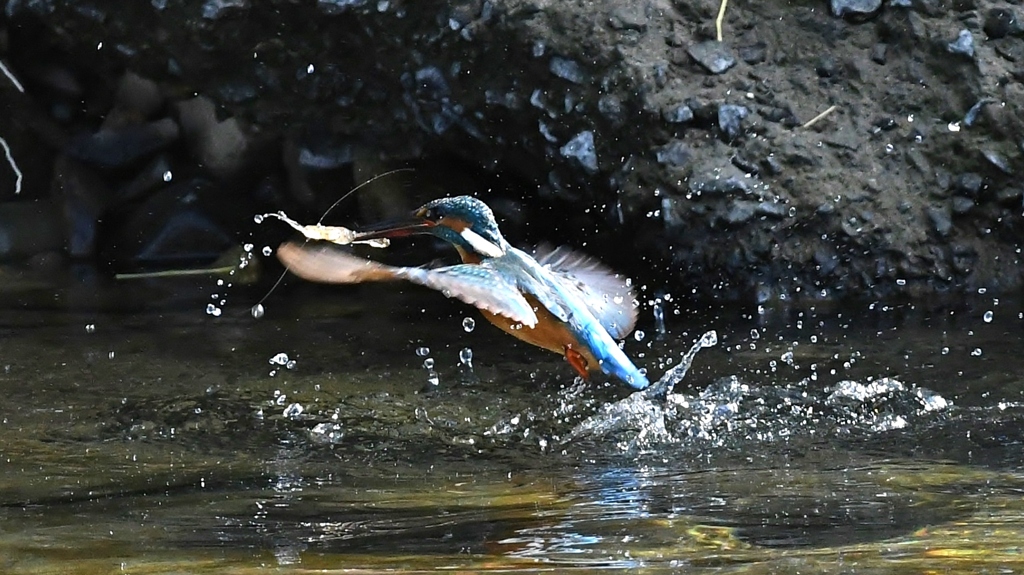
column 395, row 228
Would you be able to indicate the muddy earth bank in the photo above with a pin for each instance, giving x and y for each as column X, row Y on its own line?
column 147, row 134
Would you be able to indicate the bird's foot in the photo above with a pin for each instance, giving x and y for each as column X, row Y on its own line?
column 577, row 361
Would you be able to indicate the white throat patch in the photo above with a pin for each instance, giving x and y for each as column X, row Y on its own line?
column 481, row 245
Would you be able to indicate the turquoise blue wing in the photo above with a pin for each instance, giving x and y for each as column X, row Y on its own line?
column 478, row 285
column 606, row 294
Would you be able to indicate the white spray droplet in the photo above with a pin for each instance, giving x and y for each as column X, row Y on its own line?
column 422, row 351
column 257, row 311
column 987, row 317
column 468, row 324
column 90, row 328
column 267, row 251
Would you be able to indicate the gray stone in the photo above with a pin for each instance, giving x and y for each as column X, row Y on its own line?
column 728, row 180
column 581, row 148
column 677, row 114
column 1001, row 22
column 610, row 107
column 674, row 153
column 629, row 16
column 754, row 53
column 714, row 56
column 940, row 220
column 740, row 211
column 963, row 45
column 567, row 69
column 997, row 160
column 854, row 8
column 968, row 184
column 962, row 205
column 730, row 120
column 214, row 9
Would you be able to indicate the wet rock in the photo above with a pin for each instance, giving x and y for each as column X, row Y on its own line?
column 1001, row 22
column 968, row 184
column 744, row 163
column 879, row 53
column 714, row 56
column 997, row 160
column 610, row 106
column 754, row 53
column 171, row 228
column 119, row 147
column 674, row 153
column 677, row 114
column 827, row 66
column 340, row 6
column 772, row 209
column 730, row 120
column 963, row 45
column 1013, row 50
column 772, row 165
column 940, row 220
column 854, row 8
column 972, row 114
column 961, row 205
column 138, row 94
column 629, row 16
column 567, row 69
column 215, row 9
column 221, row 146
column 581, row 148
column 740, row 211
column 727, row 180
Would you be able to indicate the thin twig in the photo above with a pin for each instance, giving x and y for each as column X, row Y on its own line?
column 721, row 16
column 10, row 76
column 815, row 119
column 14, row 166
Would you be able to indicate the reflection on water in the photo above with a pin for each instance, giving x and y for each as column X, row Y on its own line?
column 318, row 438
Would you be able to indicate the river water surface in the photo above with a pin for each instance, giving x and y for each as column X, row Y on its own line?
column 146, row 430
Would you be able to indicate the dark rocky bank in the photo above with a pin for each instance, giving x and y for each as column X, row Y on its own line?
column 149, row 133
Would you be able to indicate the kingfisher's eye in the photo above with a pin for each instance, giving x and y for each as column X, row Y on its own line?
column 431, row 214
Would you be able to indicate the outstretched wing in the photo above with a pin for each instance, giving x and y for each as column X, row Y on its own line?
column 606, row 293
column 477, row 285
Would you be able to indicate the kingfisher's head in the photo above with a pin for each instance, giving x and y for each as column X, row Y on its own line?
column 463, row 221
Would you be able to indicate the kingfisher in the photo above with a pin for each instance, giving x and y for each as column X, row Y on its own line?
column 558, row 300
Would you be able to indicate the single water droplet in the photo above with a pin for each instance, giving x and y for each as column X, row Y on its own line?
column 293, row 411
column 945, row 350
column 976, row 352
column 267, row 251
column 291, row 364
column 638, row 335
column 247, row 247
column 90, row 328
column 428, row 363
column 901, row 282
column 279, row 359
column 987, row 317
column 257, row 311
column 168, row 176
column 469, row 324
column 466, row 356
column 754, row 334
column 258, row 218
column 422, row 351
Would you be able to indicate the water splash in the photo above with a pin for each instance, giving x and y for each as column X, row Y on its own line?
column 643, row 411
